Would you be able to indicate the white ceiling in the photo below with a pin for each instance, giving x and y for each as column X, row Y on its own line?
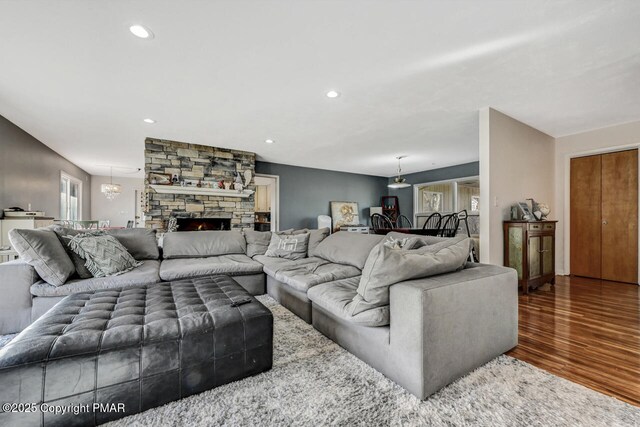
column 233, row 73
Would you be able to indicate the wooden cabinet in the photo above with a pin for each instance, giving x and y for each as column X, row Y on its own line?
column 529, row 248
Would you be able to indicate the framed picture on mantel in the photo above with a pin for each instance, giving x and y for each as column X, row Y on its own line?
column 159, row 179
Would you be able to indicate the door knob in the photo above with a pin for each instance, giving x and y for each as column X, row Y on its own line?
column 605, row 222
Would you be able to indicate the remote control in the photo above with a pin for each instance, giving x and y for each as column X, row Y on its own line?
column 240, row 302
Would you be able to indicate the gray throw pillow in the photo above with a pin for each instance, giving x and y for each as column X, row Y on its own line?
column 42, row 250
column 288, row 246
column 347, row 248
column 386, row 266
column 104, row 254
column 315, row 237
column 257, row 242
column 202, row 244
column 141, row 243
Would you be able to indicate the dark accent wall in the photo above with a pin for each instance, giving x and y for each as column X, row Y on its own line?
column 305, row 193
column 30, row 173
column 405, row 195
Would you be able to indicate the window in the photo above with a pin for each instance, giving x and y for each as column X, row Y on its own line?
column 70, row 197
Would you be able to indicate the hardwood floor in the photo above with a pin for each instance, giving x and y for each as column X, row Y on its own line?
column 587, row 331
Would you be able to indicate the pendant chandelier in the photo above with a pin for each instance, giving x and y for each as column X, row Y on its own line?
column 111, row 190
column 399, row 181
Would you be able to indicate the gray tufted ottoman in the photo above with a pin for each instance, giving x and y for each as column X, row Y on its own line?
column 139, row 347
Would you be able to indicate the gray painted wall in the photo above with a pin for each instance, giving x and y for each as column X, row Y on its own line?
column 30, row 173
column 305, row 193
column 405, row 195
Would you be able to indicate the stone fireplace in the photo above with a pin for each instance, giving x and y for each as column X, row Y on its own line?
column 196, row 196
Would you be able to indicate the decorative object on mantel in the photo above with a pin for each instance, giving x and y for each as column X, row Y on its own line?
column 227, row 185
column 191, row 189
column 238, row 180
column 247, row 177
column 399, row 181
column 172, row 224
column 111, row 190
column 159, row 178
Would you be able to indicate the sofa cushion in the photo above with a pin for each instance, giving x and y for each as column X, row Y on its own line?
column 304, row 276
column 257, row 242
column 289, row 246
column 315, row 237
column 347, row 248
column 104, row 254
column 232, row 265
column 202, row 244
column 141, row 243
column 43, row 250
column 386, row 266
column 271, row 265
column 335, row 297
column 146, row 274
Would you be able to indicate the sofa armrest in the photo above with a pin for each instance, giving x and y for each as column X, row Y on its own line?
column 443, row 327
column 16, row 278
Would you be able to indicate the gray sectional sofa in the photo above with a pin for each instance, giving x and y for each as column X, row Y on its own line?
column 423, row 334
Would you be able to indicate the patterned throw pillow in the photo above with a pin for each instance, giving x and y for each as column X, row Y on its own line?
column 104, row 254
column 78, row 262
column 64, row 235
column 289, row 246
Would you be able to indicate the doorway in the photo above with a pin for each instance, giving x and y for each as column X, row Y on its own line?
column 604, row 216
column 267, row 202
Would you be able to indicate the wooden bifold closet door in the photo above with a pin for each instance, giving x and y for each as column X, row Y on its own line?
column 604, row 216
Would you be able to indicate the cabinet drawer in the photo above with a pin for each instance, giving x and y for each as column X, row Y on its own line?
column 536, row 227
column 549, row 226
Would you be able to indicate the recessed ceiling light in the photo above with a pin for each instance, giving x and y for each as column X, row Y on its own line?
column 333, row 94
column 150, row 121
column 141, row 31
column 269, row 141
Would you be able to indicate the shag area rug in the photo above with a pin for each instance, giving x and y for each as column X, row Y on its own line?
column 315, row 382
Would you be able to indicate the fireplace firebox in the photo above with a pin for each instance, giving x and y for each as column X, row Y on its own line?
column 202, row 224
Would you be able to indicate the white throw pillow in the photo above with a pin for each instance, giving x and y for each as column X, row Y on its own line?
column 289, row 246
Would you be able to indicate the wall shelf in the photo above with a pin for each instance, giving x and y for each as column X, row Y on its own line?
column 200, row 191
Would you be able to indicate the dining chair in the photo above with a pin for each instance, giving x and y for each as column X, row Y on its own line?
column 403, row 222
column 104, row 223
column 449, row 226
column 432, row 222
column 463, row 215
column 130, row 224
column 380, row 222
